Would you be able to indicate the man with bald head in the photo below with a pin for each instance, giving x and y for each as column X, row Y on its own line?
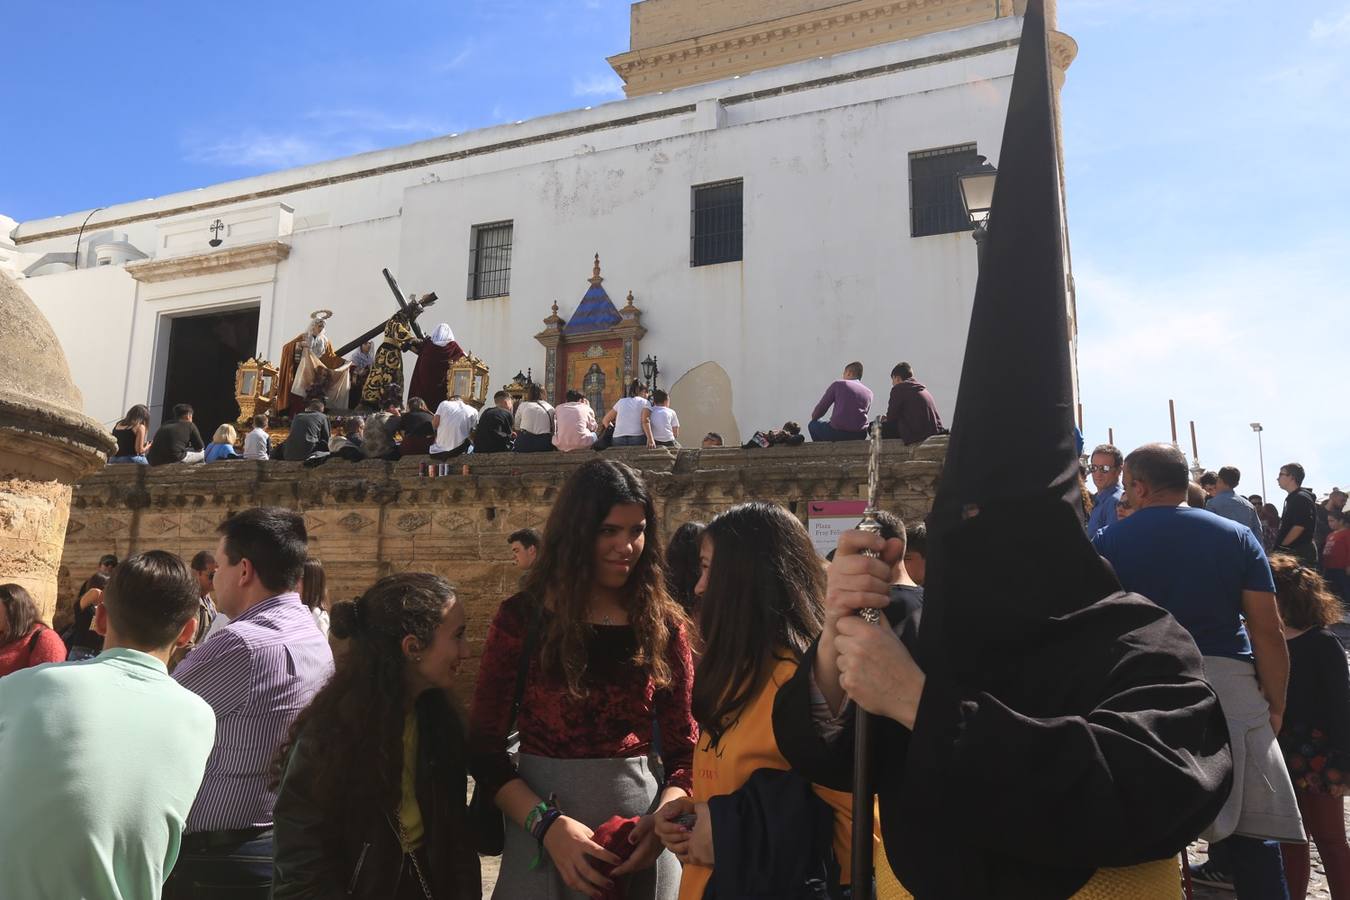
column 1211, row 574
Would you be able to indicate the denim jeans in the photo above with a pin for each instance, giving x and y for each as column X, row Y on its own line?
column 78, row 653
column 237, row 872
column 824, row 431
column 140, row 460
column 1256, row 866
column 630, row 440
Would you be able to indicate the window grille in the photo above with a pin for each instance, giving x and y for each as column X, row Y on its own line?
column 490, row 260
column 934, row 193
column 716, row 235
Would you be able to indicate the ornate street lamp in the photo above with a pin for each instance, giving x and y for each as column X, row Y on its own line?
column 650, row 371
column 977, row 195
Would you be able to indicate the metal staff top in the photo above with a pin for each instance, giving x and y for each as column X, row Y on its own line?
column 869, row 521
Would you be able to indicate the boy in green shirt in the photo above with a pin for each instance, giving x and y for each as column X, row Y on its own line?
column 101, row 759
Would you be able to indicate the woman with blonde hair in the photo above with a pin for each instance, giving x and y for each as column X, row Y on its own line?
column 222, row 444
column 1315, row 733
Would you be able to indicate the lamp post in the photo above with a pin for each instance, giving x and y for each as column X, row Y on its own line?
column 1261, row 454
column 977, row 195
column 650, row 371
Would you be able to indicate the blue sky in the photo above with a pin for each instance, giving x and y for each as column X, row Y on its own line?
column 1205, row 145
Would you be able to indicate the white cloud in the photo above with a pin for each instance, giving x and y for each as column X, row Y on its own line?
column 1334, row 28
column 600, row 86
column 1256, row 337
column 324, row 134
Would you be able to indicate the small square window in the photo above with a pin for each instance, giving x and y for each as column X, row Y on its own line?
column 935, row 205
column 717, row 232
column 490, row 260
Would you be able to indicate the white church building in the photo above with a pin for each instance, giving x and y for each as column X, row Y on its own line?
column 777, row 193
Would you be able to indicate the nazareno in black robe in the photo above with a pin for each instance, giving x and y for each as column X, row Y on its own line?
column 1062, row 737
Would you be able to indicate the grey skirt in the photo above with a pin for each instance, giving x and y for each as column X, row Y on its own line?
column 590, row 791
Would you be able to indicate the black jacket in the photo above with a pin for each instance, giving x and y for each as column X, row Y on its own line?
column 773, row 837
column 367, row 860
column 1095, row 742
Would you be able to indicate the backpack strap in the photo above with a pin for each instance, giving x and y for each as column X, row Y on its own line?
column 534, row 620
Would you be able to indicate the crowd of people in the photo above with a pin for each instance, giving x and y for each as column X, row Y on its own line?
column 1258, row 597
column 641, row 418
column 651, row 686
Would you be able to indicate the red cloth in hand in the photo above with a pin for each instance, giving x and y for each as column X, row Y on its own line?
column 613, row 836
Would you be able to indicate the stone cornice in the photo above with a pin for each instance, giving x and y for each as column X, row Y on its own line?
column 1063, row 50
column 248, row 256
column 715, row 54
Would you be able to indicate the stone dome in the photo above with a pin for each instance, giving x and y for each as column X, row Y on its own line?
column 38, row 399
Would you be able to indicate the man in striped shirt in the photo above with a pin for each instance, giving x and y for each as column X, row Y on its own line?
column 257, row 674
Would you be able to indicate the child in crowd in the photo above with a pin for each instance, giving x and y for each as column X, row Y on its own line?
column 258, row 443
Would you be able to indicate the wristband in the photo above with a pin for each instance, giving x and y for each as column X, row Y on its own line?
column 532, row 818
column 541, row 828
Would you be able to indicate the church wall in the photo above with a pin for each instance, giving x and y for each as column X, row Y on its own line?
column 830, row 272
column 366, row 520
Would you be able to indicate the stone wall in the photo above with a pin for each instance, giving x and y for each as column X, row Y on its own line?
column 370, row 519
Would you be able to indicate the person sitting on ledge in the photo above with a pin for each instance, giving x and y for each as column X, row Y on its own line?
column 222, row 444
column 177, row 441
column 130, row 434
column 416, row 425
column 496, row 427
column 712, row 439
column 258, row 443
column 852, row 402
column 575, row 424
column 309, row 432
column 912, row 414
column 534, row 423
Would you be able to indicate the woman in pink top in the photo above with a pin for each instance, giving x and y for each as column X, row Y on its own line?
column 24, row 640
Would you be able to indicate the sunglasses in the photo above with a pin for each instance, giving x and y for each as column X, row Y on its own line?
column 1103, row 469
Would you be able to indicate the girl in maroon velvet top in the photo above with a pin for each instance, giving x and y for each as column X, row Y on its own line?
column 24, row 640
column 611, row 669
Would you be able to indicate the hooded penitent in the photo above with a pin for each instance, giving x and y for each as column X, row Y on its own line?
column 1064, row 727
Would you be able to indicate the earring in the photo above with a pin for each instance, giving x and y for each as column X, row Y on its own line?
column 417, row 658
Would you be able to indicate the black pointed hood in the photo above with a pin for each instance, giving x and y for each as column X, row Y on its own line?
column 1012, row 452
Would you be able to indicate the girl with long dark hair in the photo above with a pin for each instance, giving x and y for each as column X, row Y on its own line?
column 132, row 436
column 24, row 639
column 683, row 568
column 762, row 591
column 608, row 655
column 373, row 778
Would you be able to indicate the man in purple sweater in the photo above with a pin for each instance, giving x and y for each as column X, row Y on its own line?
column 852, row 402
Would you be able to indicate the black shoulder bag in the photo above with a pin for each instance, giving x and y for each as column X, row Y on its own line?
column 485, row 818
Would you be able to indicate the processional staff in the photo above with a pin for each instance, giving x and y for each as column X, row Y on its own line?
column 862, row 725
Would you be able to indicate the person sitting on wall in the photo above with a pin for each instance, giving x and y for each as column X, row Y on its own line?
column 911, row 414
column 416, row 425
column 790, row 435
column 712, row 439
column 851, row 402
column 222, row 444
column 494, row 432
column 534, row 423
column 177, row 441
column 309, row 432
column 575, row 424
column 258, row 443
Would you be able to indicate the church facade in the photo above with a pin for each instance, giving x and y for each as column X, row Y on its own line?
column 777, row 194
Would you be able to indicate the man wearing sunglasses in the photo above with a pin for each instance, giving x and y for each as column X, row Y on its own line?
column 1104, row 467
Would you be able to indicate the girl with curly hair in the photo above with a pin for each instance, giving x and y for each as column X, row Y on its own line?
column 607, row 663
column 1315, row 733
column 372, row 780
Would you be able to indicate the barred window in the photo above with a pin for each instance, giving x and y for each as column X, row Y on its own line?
column 934, row 193
column 717, row 219
column 490, row 260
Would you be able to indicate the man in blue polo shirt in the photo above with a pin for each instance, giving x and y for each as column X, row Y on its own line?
column 1210, row 573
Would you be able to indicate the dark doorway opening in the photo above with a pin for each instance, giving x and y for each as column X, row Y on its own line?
column 204, row 352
